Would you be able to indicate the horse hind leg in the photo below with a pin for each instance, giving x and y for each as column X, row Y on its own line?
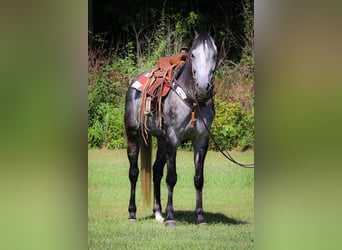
column 158, row 168
column 132, row 154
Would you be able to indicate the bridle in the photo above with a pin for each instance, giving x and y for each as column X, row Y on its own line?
column 194, row 104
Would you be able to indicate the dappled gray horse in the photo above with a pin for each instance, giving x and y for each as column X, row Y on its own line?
column 186, row 107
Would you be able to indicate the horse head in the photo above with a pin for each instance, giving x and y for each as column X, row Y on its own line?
column 203, row 57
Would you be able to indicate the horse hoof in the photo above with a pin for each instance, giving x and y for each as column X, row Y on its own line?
column 159, row 217
column 132, row 220
column 170, row 223
column 203, row 224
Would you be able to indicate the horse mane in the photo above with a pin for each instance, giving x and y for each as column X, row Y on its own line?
column 185, row 77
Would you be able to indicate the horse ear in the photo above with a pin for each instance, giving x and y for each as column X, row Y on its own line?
column 212, row 32
column 193, row 32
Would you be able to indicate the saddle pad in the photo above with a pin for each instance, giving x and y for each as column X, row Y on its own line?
column 143, row 79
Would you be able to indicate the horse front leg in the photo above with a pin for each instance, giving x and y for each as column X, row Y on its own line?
column 132, row 153
column 171, row 178
column 199, row 155
column 158, row 168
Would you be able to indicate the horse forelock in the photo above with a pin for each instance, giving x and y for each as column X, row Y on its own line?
column 204, row 40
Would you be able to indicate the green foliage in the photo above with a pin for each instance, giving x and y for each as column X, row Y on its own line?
column 233, row 126
column 107, row 129
column 127, row 65
column 181, row 29
column 105, row 102
column 100, row 38
column 95, row 135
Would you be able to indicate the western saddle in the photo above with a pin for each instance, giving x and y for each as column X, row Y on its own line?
column 157, row 86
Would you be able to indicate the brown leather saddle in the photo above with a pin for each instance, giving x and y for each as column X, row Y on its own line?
column 156, row 85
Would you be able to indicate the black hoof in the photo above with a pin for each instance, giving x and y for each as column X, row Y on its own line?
column 170, row 223
column 201, row 221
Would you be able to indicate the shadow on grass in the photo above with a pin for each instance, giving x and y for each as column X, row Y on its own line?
column 211, row 218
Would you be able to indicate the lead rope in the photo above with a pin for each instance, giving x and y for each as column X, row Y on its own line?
column 225, row 154
column 197, row 106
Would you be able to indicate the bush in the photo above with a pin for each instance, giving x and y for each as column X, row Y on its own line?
column 107, row 129
column 107, row 85
column 233, row 126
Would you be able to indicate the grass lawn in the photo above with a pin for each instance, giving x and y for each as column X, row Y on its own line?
column 228, row 202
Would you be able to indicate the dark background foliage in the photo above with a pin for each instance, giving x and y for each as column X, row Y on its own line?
column 120, row 20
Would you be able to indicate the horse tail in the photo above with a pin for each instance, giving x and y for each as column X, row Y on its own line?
column 146, row 166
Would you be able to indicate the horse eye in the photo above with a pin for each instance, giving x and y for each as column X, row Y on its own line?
column 192, row 55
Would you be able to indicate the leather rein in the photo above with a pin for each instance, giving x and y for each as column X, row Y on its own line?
column 194, row 104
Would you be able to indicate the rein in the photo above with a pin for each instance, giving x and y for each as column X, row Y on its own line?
column 193, row 104
column 225, row 154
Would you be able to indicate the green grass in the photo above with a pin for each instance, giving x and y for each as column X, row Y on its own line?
column 228, row 202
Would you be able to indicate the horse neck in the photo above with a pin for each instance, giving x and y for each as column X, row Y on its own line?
column 186, row 80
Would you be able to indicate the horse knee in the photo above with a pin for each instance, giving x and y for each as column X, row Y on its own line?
column 198, row 181
column 171, row 179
